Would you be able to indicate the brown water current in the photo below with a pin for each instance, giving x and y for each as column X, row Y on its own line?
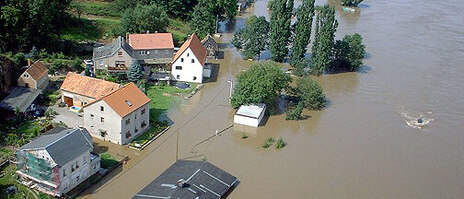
column 360, row 146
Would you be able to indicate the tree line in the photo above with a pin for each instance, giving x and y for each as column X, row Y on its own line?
column 283, row 39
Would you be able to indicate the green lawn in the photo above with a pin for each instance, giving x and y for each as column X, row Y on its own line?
column 161, row 102
column 99, row 8
column 24, row 192
column 51, row 97
column 90, row 29
column 154, row 130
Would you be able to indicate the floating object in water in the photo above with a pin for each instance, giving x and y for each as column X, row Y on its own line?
column 348, row 9
column 417, row 122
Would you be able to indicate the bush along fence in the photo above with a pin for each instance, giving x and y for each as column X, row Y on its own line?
column 148, row 137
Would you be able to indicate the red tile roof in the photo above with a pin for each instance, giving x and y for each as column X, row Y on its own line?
column 195, row 45
column 87, row 86
column 37, row 70
column 125, row 100
column 150, row 41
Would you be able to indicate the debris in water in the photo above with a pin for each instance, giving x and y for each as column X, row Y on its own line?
column 417, row 121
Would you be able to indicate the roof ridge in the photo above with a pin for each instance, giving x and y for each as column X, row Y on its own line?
column 66, row 135
column 110, row 93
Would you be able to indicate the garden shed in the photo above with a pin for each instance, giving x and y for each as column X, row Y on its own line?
column 250, row 115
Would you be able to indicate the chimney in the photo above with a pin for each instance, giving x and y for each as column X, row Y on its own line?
column 148, row 32
column 28, row 62
column 127, row 37
column 156, row 31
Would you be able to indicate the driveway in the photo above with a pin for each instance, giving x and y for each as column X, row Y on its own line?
column 71, row 119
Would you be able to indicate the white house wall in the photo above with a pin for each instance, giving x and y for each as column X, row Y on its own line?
column 189, row 69
column 112, row 122
column 136, row 119
column 72, row 179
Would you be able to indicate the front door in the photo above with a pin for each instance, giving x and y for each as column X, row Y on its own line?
column 68, row 101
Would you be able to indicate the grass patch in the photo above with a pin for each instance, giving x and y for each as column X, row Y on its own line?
column 99, row 8
column 270, row 141
column 162, row 98
column 8, row 179
column 51, row 97
column 142, row 139
column 90, row 29
column 179, row 29
column 107, row 161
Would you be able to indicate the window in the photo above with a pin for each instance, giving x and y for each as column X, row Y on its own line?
column 143, row 124
column 101, row 62
column 181, row 59
column 84, row 161
column 64, row 173
column 85, row 103
column 188, row 54
column 120, row 64
column 177, row 76
column 178, row 67
column 143, row 111
column 91, row 116
column 136, row 130
column 194, row 77
column 135, row 115
column 193, row 61
column 102, row 108
column 102, row 119
column 120, row 53
column 77, row 165
column 26, row 75
column 147, row 52
column 72, row 168
column 128, row 134
column 128, row 121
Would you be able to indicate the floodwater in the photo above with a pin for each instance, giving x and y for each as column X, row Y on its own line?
column 360, row 146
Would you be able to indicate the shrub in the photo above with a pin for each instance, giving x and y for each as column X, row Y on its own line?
column 294, row 113
column 280, row 143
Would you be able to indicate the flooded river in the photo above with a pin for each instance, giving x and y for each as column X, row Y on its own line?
column 360, row 146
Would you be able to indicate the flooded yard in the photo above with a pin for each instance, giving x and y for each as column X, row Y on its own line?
column 360, row 145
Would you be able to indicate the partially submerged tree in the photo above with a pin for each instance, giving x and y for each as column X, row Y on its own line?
column 280, row 29
column 144, row 18
column 351, row 2
column 302, row 29
column 262, row 82
column 348, row 53
column 310, row 94
column 294, row 113
column 135, row 72
column 253, row 37
column 322, row 50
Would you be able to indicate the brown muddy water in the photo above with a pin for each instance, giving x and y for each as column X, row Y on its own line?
column 360, row 146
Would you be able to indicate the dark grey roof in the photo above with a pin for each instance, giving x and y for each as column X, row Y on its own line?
column 203, row 180
column 62, row 144
column 111, row 48
column 20, row 97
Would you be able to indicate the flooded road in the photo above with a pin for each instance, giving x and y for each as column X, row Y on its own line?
column 360, row 145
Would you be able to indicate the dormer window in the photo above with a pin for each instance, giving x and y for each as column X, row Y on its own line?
column 128, row 103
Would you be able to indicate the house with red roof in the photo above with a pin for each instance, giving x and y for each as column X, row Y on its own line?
column 189, row 63
column 35, row 76
column 119, row 116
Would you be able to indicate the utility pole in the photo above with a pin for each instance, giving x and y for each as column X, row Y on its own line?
column 231, row 82
column 177, row 145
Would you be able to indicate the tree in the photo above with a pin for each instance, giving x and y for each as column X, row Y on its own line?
column 302, row 29
column 76, row 64
column 135, row 72
column 294, row 113
column 253, row 37
column 299, row 66
column 203, row 20
column 351, row 2
column 31, row 22
column 310, row 94
column 144, row 18
column 349, row 53
column 221, row 8
column 322, row 50
column 77, row 8
column 262, row 82
column 280, row 28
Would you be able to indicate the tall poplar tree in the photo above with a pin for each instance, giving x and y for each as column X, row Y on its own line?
column 280, row 29
column 322, row 50
column 302, row 29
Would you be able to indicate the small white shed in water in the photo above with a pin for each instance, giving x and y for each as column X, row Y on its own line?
column 250, row 115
